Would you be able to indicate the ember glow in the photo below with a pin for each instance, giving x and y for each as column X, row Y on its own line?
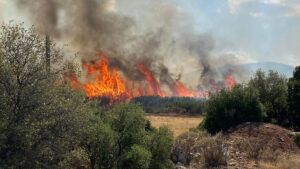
column 103, row 81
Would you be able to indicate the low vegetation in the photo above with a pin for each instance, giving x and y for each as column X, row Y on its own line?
column 200, row 150
column 174, row 105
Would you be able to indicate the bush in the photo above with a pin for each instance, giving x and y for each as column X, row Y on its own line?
column 297, row 139
column 161, row 147
column 200, row 150
column 213, row 154
column 294, row 99
column 273, row 94
column 229, row 108
column 122, row 138
column 259, row 149
column 137, row 158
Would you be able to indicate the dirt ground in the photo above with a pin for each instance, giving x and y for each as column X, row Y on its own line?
column 281, row 139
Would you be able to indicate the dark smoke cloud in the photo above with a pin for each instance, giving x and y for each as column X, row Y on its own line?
column 152, row 32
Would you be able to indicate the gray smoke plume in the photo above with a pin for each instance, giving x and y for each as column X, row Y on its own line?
column 130, row 32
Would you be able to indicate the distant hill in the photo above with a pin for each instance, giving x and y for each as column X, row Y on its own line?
column 287, row 70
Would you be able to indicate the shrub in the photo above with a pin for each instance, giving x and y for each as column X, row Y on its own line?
column 273, row 94
column 294, row 99
column 201, row 149
column 229, row 108
column 297, row 139
column 269, row 155
column 259, row 149
column 136, row 158
column 161, row 147
column 213, row 154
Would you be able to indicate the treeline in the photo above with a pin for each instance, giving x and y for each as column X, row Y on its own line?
column 267, row 97
column 177, row 105
column 45, row 123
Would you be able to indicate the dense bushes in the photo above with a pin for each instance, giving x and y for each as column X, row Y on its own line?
column 297, row 139
column 273, row 94
column 121, row 138
column 180, row 105
column 39, row 121
column 228, row 108
column 294, row 99
column 45, row 123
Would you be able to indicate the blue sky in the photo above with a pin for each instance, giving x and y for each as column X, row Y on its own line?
column 254, row 30
column 257, row 30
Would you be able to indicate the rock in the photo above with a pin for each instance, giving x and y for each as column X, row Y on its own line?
column 232, row 164
column 180, row 156
column 180, row 166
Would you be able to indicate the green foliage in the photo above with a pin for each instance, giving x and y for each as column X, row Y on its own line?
column 180, row 105
column 161, row 147
column 123, row 138
column 229, row 108
column 136, row 158
column 294, row 99
column 45, row 123
column 273, row 94
column 39, row 120
column 297, row 139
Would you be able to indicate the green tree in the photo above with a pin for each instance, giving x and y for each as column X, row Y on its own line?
column 294, row 99
column 136, row 158
column 273, row 94
column 39, row 119
column 161, row 147
column 229, row 108
column 123, row 138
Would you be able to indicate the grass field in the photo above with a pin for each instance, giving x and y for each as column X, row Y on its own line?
column 178, row 124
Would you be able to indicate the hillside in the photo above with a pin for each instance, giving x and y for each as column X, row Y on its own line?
column 249, row 145
column 279, row 138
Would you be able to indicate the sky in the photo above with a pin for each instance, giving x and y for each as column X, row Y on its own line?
column 253, row 30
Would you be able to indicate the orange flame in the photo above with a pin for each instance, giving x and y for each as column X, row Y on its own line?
column 230, row 81
column 181, row 91
column 153, row 84
column 108, row 84
column 105, row 83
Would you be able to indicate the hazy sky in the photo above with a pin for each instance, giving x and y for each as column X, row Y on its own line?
column 254, row 30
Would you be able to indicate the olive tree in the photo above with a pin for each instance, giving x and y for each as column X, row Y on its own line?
column 39, row 116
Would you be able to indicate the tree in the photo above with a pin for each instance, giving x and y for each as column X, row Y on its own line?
column 161, row 147
column 45, row 123
column 39, row 119
column 229, row 108
column 294, row 99
column 273, row 94
column 122, row 138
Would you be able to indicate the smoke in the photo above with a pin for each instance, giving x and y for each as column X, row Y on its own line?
column 156, row 33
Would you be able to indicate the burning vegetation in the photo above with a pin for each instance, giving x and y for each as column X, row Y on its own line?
column 104, row 81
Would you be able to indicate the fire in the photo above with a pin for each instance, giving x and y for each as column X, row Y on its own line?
column 153, row 85
column 181, row 91
column 230, row 81
column 103, row 81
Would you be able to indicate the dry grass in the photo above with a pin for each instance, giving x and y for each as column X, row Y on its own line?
column 178, row 124
column 292, row 162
